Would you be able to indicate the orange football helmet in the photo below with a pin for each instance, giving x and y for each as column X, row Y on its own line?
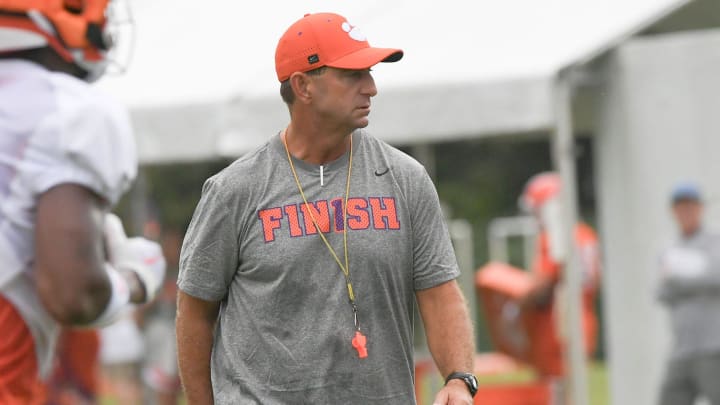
column 540, row 189
column 77, row 30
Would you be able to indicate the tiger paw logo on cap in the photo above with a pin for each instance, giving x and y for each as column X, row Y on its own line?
column 353, row 31
column 315, row 40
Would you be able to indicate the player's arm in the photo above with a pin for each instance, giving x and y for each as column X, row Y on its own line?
column 70, row 257
column 194, row 325
column 450, row 337
column 76, row 282
column 677, row 285
column 673, row 288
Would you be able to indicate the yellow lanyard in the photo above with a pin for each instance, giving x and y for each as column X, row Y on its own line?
column 359, row 341
column 346, row 267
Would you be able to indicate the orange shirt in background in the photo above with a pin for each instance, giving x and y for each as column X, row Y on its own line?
column 548, row 349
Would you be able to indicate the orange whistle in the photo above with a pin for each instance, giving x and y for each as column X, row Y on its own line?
column 359, row 342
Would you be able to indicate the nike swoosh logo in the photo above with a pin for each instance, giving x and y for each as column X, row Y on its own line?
column 381, row 173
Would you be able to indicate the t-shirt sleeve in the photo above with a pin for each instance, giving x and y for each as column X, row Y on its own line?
column 433, row 255
column 88, row 143
column 209, row 254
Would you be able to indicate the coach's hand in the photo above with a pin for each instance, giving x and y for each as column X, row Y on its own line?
column 138, row 255
column 454, row 393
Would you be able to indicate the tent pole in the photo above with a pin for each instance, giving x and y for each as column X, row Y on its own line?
column 571, row 292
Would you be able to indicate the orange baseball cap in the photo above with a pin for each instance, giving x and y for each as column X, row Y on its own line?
column 327, row 39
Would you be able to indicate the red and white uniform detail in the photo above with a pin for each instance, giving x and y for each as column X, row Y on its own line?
column 588, row 249
column 54, row 130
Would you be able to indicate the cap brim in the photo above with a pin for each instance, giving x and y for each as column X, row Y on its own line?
column 366, row 58
column 685, row 197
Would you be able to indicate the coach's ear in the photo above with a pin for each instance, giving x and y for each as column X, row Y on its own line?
column 303, row 87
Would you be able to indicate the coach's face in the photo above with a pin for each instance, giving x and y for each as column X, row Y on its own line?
column 342, row 97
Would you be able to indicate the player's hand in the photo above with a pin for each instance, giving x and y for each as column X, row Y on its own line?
column 454, row 393
column 138, row 255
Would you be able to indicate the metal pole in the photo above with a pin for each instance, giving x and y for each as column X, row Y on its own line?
column 564, row 161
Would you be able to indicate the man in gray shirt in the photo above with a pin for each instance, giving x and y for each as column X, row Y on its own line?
column 304, row 259
column 690, row 288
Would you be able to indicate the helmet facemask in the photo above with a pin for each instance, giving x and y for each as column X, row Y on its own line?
column 82, row 32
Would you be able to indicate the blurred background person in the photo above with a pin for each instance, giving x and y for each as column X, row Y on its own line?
column 67, row 155
column 540, row 198
column 690, row 290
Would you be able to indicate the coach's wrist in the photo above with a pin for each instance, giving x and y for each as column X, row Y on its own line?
column 468, row 381
column 457, row 384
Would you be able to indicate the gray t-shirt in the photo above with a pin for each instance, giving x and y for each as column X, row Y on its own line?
column 285, row 326
column 690, row 287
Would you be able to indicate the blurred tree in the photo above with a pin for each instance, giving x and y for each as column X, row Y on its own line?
column 482, row 179
column 170, row 191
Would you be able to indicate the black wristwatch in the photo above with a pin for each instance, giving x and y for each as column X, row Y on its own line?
column 467, row 378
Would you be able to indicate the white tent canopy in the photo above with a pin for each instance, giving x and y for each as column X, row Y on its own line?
column 202, row 82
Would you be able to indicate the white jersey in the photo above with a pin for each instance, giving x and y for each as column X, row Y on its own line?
column 122, row 341
column 54, row 129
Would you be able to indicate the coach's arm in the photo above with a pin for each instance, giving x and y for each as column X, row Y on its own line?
column 194, row 328
column 450, row 337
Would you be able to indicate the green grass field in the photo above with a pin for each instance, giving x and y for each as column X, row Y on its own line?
column 597, row 380
column 599, row 389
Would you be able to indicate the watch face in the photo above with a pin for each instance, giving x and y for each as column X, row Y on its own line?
column 472, row 381
column 469, row 379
